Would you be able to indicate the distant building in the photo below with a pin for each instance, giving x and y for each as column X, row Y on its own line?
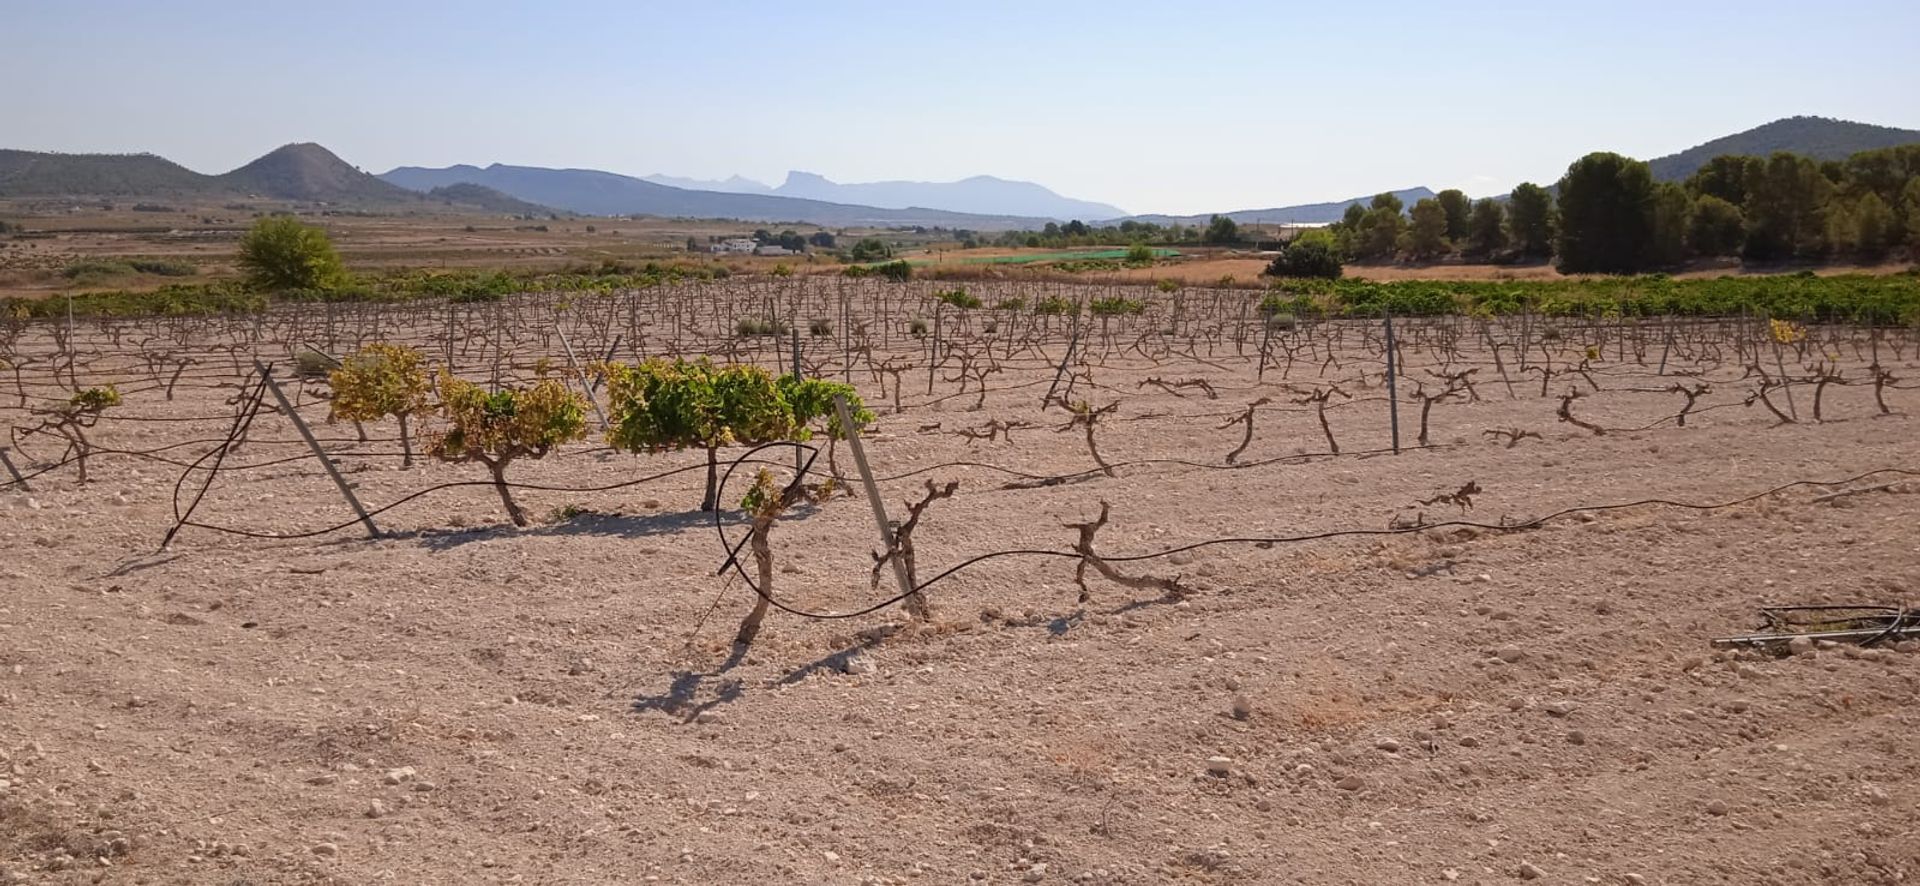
column 741, row 245
column 774, row 250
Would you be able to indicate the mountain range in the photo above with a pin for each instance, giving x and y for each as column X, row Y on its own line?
column 311, row 173
column 593, row 192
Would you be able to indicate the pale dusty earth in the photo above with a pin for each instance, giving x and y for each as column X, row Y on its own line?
column 465, row 702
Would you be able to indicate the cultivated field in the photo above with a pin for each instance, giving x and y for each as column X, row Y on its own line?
column 1480, row 660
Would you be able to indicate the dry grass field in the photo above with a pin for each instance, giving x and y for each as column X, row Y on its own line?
column 460, row 701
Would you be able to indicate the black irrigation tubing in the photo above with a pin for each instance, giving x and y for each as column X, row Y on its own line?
column 1269, row 541
column 624, row 484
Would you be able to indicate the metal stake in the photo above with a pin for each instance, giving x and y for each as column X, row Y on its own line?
column 1393, row 396
column 873, row 494
column 299, row 424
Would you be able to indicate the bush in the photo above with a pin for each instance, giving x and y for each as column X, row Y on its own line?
column 661, row 406
column 870, row 249
column 820, row 327
column 280, row 253
column 163, row 268
column 1312, row 254
column 497, row 428
column 1116, row 306
column 1140, row 254
column 958, row 298
column 1052, row 305
column 382, row 380
column 897, row 271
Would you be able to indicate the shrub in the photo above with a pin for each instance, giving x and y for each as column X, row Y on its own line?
column 897, row 271
column 871, row 249
column 958, row 298
column 496, row 428
column 820, row 327
column 1116, row 306
column 281, row 253
column 1052, row 305
column 1140, row 254
column 1312, row 254
column 164, row 268
column 382, row 380
column 661, row 406
column 917, row 326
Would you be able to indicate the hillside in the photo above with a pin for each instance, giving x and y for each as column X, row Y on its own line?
column 310, row 172
column 469, row 194
column 1302, row 214
column 1818, row 137
column 35, row 174
column 593, row 192
column 305, row 172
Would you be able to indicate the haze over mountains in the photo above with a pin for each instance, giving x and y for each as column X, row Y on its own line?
column 311, row 173
column 980, row 194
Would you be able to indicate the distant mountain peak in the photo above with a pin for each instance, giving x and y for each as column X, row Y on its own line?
column 307, row 171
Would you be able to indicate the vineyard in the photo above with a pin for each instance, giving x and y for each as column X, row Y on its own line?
column 586, row 583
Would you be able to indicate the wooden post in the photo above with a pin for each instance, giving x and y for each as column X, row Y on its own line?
column 1393, row 396
column 873, row 494
column 299, row 424
column 17, row 479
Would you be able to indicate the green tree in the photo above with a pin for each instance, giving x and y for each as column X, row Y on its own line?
column 1221, row 231
column 1311, row 253
column 1530, row 219
column 496, row 428
column 1717, row 227
column 1426, row 237
column 1725, row 177
column 870, row 249
column 281, row 253
column 1873, row 227
column 1459, row 213
column 1377, row 233
column 1606, row 215
column 1672, row 211
column 1786, row 209
column 1486, row 229
column 1910, row 202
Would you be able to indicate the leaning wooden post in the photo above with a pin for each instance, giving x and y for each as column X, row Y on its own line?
column 1393, row 396
column 299, row 424
column 873, row 498
column 15, row 472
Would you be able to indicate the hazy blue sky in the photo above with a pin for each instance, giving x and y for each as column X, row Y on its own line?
column 1170, row 107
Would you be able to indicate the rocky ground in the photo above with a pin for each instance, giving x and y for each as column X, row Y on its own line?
column 464, row 702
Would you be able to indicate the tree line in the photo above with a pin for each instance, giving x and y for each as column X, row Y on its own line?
column 1609, row 215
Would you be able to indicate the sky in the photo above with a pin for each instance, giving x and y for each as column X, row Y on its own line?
column 1172, row 107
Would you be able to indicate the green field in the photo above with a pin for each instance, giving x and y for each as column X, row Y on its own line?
column 1118, row 254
